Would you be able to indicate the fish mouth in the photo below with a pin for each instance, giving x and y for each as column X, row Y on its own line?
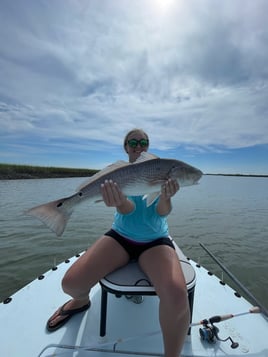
column 198, row 176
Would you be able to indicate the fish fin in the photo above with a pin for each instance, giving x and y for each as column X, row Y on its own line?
column 54, row 214
column 145, row 156
column 151, row 198
column 98, row 201
column 157, row 182
column 106, row 170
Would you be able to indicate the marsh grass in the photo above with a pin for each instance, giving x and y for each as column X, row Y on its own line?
column 12, row 172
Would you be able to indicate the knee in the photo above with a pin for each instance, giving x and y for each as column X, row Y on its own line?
column 175, row 294
column 69, row 283
column 180, row 295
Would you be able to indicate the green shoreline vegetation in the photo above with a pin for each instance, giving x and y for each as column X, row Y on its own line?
column 19, row 172
column 238, row 175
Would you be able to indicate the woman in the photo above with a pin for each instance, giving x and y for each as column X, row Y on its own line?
column 138, row 232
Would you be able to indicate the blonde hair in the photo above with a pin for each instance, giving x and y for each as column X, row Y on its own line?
column 135, row 130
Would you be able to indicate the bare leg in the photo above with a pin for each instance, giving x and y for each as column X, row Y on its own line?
column 161, row 265
column 104, row 256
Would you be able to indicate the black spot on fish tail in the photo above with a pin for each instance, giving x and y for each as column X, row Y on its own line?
column 59, row 204
column 80, row 194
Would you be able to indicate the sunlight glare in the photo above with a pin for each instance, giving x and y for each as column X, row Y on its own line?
column 163, row 4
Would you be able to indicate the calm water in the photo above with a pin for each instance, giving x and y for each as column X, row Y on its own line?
column 227, row 214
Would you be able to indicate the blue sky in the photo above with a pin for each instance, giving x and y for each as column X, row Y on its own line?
column 77, row 75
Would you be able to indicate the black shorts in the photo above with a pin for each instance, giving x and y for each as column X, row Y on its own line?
column 135, row 249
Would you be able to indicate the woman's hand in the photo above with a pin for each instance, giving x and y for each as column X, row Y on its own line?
column 169, row 189
column 114, row 197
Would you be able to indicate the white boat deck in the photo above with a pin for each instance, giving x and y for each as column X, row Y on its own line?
column 132, row 329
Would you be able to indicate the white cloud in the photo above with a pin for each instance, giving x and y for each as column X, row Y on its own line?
column 192, row 73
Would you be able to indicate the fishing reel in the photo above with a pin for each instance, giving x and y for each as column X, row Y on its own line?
column 210, row 333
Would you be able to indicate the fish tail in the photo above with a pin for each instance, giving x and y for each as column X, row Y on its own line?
column 54, row 214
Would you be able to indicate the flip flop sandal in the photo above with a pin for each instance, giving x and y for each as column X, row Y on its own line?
column 67, row 313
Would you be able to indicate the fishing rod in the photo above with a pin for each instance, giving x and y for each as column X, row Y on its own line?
column 208, row 333
column 219, row 318
column 236, row 281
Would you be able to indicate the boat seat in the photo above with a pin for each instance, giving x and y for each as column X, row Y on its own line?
column 131, row 280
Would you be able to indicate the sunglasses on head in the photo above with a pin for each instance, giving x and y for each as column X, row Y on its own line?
column 133, row 143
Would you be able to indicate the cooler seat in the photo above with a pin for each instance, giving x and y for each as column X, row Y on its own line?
column 131, row 280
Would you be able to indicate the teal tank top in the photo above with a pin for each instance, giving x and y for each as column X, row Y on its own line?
column 143, row 224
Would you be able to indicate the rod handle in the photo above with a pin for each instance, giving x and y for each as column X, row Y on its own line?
column 218, row 318
column 255, row 310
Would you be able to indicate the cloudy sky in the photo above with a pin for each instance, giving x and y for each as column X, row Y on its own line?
column 76, row 75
